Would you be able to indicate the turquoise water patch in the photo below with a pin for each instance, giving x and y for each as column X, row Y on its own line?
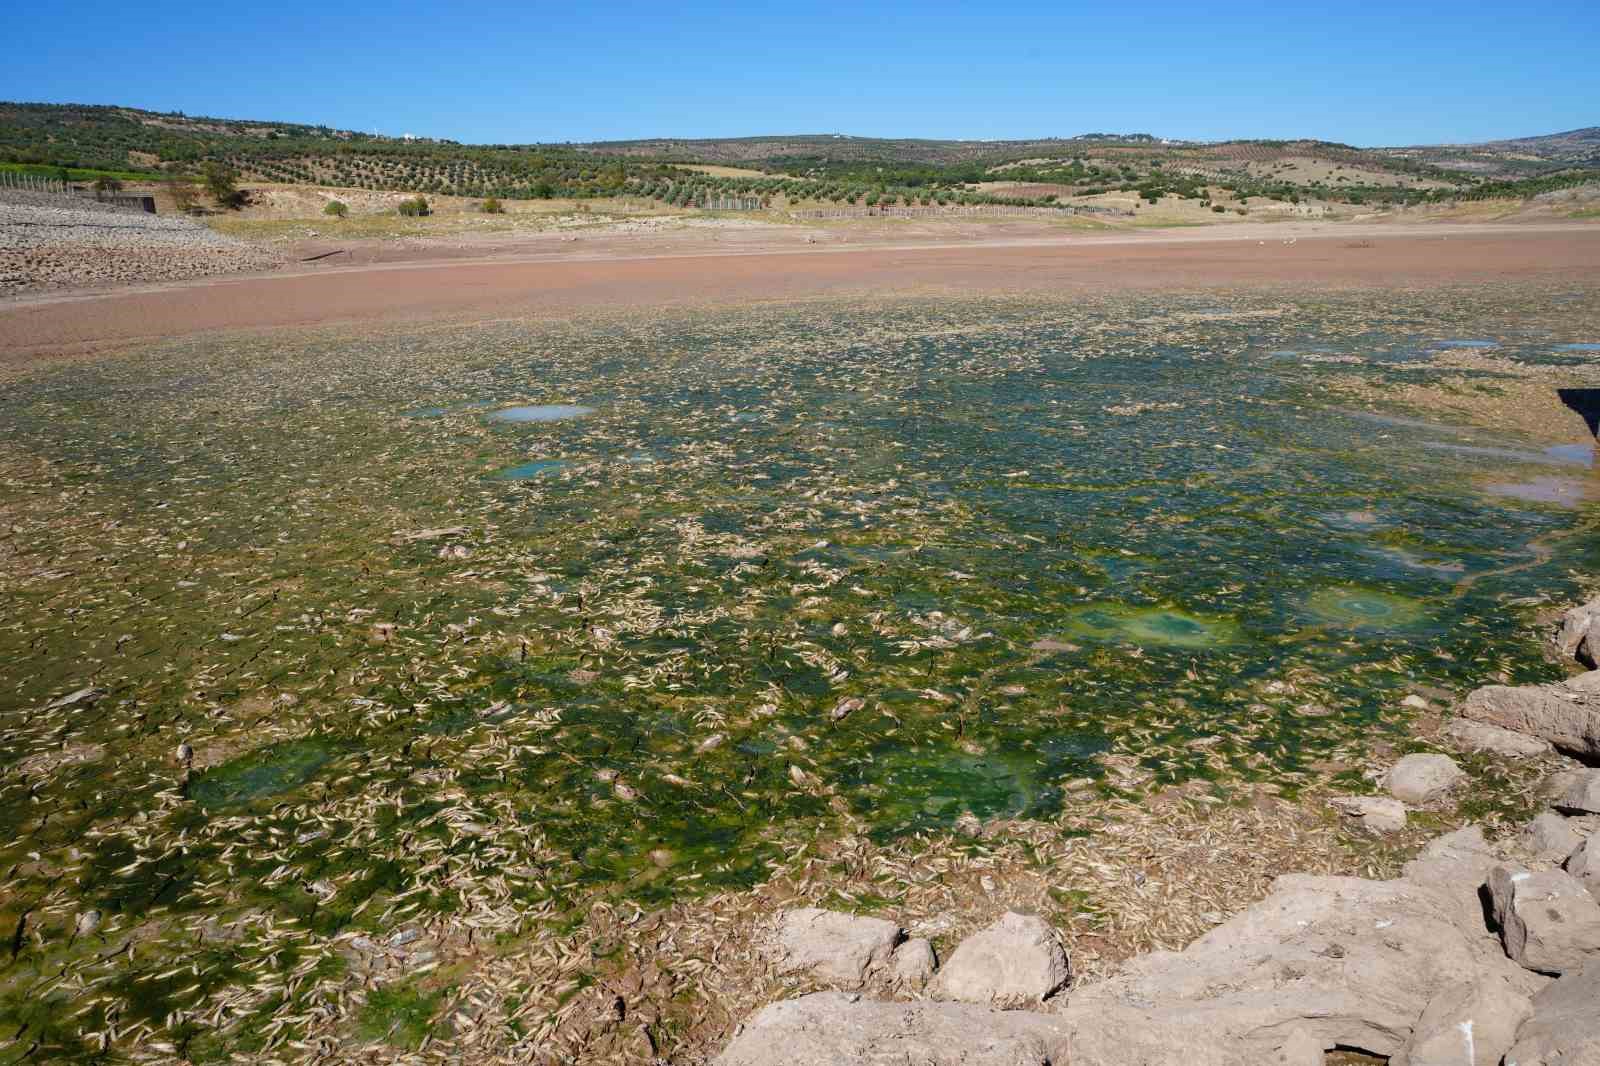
column 524, row 471
column 547, row 412
column 1150, row 625
column 1464, row 344
column 260, row 773
column 1364, row 608
column 1584, row 346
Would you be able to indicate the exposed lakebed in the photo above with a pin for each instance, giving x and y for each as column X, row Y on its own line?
column 897, row 563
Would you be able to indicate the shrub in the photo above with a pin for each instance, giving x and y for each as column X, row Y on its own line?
column 185, row 195
column 1218, row 208
column 335, row 208
column 222, row 184
column 416, row 207
column 492, row 206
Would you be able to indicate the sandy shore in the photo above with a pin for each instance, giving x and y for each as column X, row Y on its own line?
column 776, row 263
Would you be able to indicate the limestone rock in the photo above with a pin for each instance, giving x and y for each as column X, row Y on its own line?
column 1572, row 639
column 1378, row 814
column 835, row 1029
column 1550, row 836
column 1470, row 1024
column 1548, row 921
column 1467, row 735
column 1589, row 682
column 836, row 948
column 1563, row 1030
column 1015, row 962
column 1559, row 716
column 1582, row 796
column 1584, row 865
column 1352, row 963
column 914, row 963
column 1423, row 778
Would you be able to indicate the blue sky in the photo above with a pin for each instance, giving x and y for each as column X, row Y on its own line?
column 1355, row 72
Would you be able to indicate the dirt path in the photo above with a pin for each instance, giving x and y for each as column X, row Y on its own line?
column 549, row 278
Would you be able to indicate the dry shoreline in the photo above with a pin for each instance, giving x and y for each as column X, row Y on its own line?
column 622, row 273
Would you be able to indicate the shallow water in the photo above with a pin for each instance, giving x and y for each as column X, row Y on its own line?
column 548, row 412
column 898, row 563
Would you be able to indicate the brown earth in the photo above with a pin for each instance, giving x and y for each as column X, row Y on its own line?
column 709, row 265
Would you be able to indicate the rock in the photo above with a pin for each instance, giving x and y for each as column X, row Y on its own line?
column 1423, row 778
column 1467, row 735
column 1549, row 836
column 835, row 1029
column 1351, row 963
column 1470, row 1024
column 1548, row 921
column 1582, row 795
column 1572, row 639
column 1547, row 712
column 85, row 697
column 1015, row 962
column 1563, row 1029
column 1301, row 1049
column 1378, row 814
column 1589, row 682
column 837, row 948
column 914, row 963
column 1584, row 865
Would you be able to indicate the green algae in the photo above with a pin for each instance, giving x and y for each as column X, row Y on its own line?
column 262, row 773
column 1360, row 608
column 1154, row 626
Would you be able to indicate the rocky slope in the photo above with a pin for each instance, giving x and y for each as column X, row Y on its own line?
column 1479, row 954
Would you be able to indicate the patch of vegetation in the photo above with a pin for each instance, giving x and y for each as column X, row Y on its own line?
column 400, row 1015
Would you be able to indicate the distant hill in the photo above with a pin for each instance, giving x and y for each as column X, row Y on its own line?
column 819, row 168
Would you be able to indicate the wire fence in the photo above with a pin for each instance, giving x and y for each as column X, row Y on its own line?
column 11, row 179
column 987, row 210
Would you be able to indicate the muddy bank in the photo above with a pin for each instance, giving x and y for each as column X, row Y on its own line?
column 478, row 289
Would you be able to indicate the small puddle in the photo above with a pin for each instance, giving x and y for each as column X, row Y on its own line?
column 546, row 412
column 524, row 471
column 1363, row 608
column 1437, row 345
column 262, row 772
column 1560, row 491
column 1584, row 346
column 1150, row 625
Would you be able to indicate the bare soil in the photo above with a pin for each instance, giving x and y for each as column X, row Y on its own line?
column 480, row 276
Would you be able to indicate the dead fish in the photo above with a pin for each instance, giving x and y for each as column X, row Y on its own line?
column 88, row 922
column 711, row 743
column 798, row 776
column 184, row 756
column 82, row 697
column 846, row 706
column 625, row 792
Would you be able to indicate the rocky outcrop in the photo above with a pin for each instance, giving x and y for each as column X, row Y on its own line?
column 1584, row 865
column 1466, row 735
column 1348, row 962
column 1377, row 814
column 1419, row 779
column 1471, row 1024
column 1553, row 714
column 1550, row 837
column 914, row 964
column 838, row 949
column 1578, row 625
column 1016, row 962
column 1548, row 921
column 834, row 1029
column 1582, row 795
column 1565, row 1027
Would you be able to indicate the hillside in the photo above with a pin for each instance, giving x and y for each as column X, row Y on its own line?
column 799, row 169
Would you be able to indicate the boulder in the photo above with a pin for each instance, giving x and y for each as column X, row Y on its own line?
column 1572, row 639
column 1548, row 921
column 1582, row 794
column 839, row 949
column 1550, row 836
column 1377, row 814
column 1589, row 682
column 1565, row 1027
column 835, row 1029
column 1551, row 713
column 1470, row 1024
column 914, row 963
column 1423, row 778
column 1345, row 961
column 1584, row 865
column 1466, row 735
column 1015, row 962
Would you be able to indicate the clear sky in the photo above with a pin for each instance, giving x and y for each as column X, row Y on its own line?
column 1364, row 73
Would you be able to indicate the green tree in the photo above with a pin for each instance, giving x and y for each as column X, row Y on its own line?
column 335, row 209
column 222, row 183
column 492, row 206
